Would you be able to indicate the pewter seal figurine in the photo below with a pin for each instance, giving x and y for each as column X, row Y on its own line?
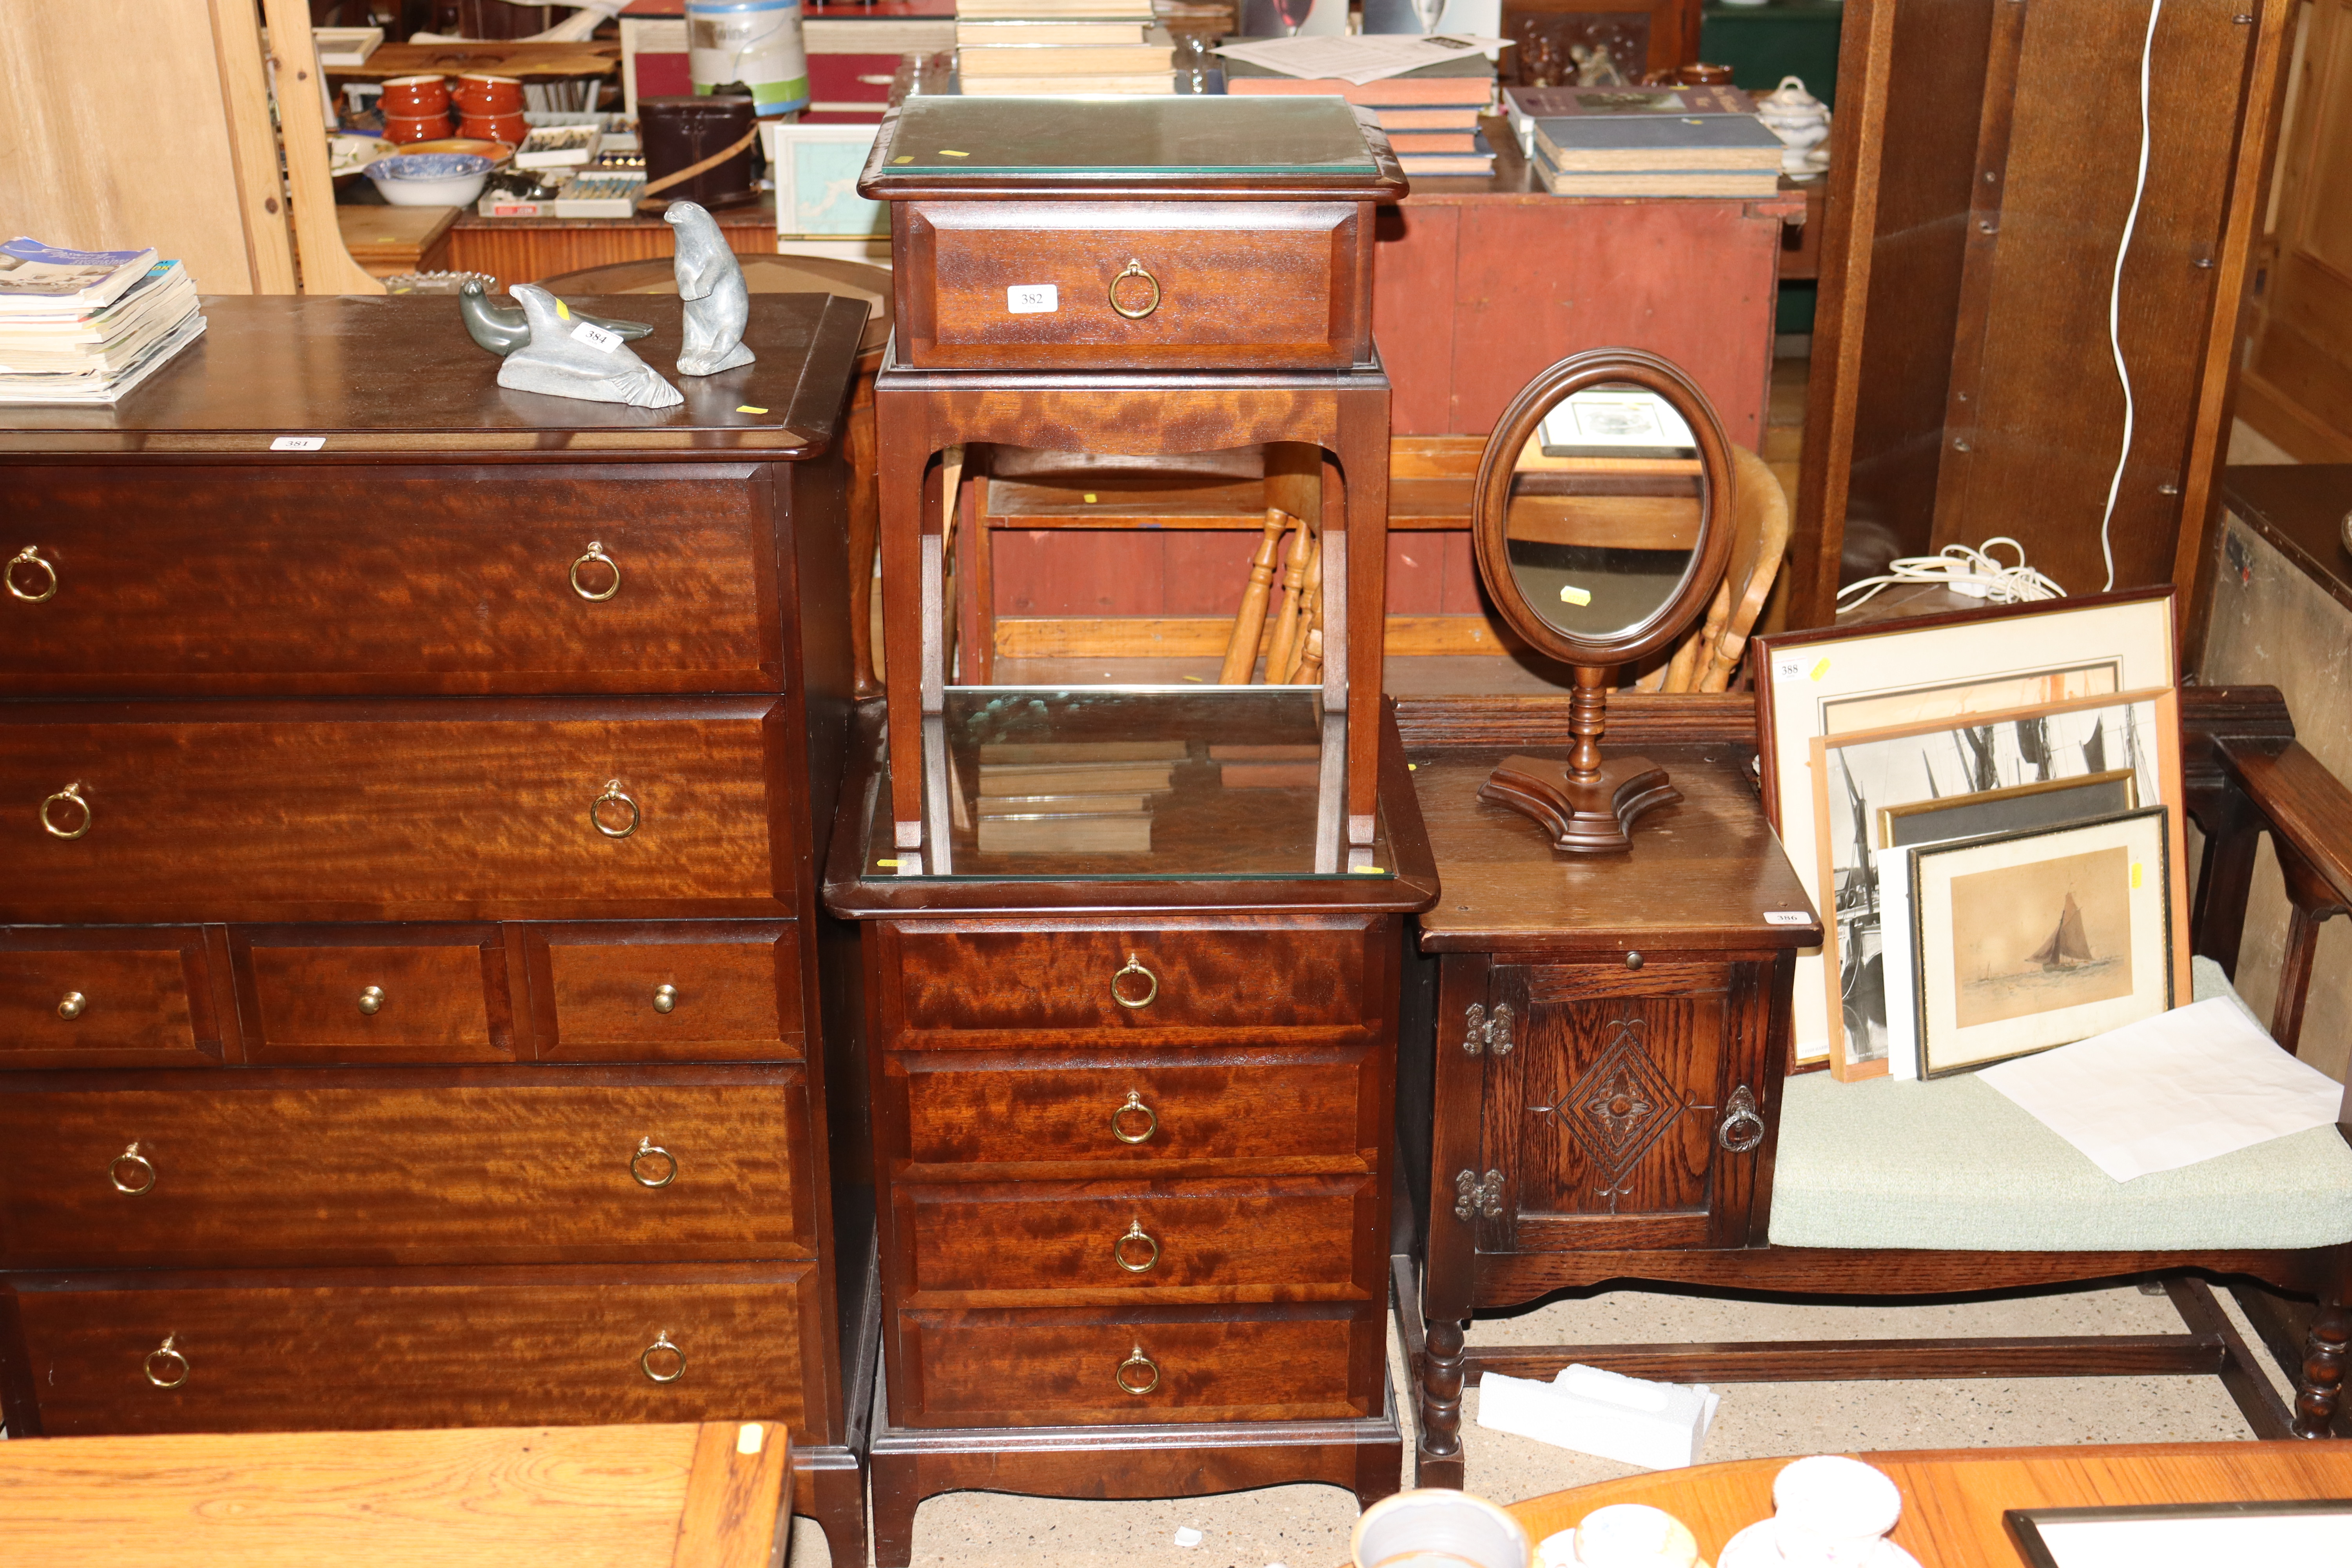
column 502, row 330
column 710, row 282
column 569, row 357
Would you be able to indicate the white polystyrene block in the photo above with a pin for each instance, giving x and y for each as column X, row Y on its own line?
column 1660, row 1426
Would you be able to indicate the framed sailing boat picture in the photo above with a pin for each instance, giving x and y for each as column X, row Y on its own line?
column 2029, row 940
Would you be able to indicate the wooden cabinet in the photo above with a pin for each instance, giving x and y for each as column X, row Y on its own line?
column 451, row 791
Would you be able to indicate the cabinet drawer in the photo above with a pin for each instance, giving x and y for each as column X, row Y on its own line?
column 973, row 1108
column 434, row 1349
column 290, row 1171
column 357, row 811
column 1055, row 1368
column 1224, row 285
column 348, row 580
column 384, row 993
column 1242, row 980
column 674, row 992
column 116, row 998
column 1227, row 1239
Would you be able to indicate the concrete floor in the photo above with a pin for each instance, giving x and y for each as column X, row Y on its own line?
column 1307, row 1526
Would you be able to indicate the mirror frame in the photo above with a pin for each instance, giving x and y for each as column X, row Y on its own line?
column 1490, row 504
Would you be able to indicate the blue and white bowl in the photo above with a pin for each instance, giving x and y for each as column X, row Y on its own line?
column 430, row 179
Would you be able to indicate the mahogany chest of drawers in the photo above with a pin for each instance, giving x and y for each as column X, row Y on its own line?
column 411, row 969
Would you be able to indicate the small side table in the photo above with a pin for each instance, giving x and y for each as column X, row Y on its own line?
column 388, row 240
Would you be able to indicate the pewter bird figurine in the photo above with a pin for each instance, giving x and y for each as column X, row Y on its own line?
column 502, row 330
column 569, row 357
column 710, row 282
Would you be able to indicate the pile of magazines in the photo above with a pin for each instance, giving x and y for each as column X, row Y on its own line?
column 86, row 326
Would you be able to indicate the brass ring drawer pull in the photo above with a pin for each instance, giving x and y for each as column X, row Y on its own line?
column 30, row 556
column 662, row 1346
column 1134, row 966
column 647, row 1149
column 595, row 552
column 141, row 1166
column 1135, row 270
column 72, row 1006
column 1741, row 1128
column 170, row 1357
column 613, row 791
column 71, row 793
column 1134, row 1105
column 371, row 1000
column 665, row 999
column 1119, row 1249
column 1135, row 1358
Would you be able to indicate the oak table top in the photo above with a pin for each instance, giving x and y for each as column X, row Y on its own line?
column 1953, row 1498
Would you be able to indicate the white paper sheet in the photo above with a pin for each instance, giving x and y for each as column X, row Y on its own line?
column 2264, row 1539
column 2192, row 1084
column 1357, row 59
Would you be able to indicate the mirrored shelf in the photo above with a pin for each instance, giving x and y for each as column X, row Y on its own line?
column 1133, row 782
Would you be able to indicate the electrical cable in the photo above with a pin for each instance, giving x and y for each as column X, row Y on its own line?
column 2115, row 296
column 1975, row 574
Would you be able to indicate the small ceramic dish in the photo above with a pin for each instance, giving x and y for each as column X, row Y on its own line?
column 348, row 153
column 430, row 179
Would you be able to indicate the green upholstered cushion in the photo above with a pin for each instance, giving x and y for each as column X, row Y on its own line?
column 1953, row 1163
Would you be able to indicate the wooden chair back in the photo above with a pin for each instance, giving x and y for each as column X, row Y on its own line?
column 1706, row 660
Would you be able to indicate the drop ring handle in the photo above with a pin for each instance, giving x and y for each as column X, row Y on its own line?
column 72, row 794
column 1134, row 966
column 613, row 791
column 646, row 1361
column 595, row 552
column 647, row 1149
column 140, row 1167
column 1741, row 1128
column 170, row 1357
column 1119, row 1249
column 1135, row 1105
column 1135, row 270
column 30, row 556
column 1135, row 1358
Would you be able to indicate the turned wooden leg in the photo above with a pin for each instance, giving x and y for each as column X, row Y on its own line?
column 2323, row 1372
column 1439, row 1461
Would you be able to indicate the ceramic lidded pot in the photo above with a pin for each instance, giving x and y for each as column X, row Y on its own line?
column 1801, row 121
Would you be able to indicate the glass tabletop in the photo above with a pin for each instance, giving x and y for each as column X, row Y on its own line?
column 1126, row 137
column 1056, row 783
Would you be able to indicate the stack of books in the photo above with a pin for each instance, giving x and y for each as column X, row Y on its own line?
column 1430, row 114
column 1645, row 142
column 86, row 326
column 1031, row 47
column 1074, row 797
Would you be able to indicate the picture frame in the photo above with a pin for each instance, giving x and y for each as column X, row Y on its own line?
column 2054, row 800
column 2017, row 756
column 1836, row 680
column 2298, row 1530
column 816, row 168
column 1994, row 984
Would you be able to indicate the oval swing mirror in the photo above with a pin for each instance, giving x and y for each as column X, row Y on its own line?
column 1601, row 519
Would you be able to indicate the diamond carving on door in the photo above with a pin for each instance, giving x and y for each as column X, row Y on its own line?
column 1618, row 1106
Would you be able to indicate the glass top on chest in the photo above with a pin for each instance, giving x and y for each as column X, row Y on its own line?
column 1083, row 141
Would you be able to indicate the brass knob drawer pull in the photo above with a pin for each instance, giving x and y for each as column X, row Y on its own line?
column 28, row 557
column 665, row 999
column 174, row 1364
column 72, row 1006
column 1122, row 1122
column 1133, row 1373
column 595, row 552
column 1122, row 995
column 371, row 1000
column 671, row 1356
column 142, row 1170
column 1135, row 270
column 651, row 1157
column 69, row 795
column 1124, row 1253
column 614, row 795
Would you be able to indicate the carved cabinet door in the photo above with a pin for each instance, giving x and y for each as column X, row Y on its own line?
column 1620, row 1106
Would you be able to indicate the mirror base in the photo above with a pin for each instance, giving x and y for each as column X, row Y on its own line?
column 1588, row 818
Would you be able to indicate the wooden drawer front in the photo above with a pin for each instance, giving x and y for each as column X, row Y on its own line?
column 668, row 993
column 1241, row 284
column 1228, row 980
column 969, row 1108
column 1227, row 1239
column 445, row 1001
column 292, row 1174
column 1053, row 1368
column 347, row 580
column 451, row 1351
column 140, row 1001
column 360, row 811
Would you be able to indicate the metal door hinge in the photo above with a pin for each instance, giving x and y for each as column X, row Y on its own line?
column 1473, row 1197
column 1483, row 1031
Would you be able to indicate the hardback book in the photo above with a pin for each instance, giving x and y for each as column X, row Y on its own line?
column 1464, row 118
column 1567, row 102
column 1655, row 182
column 1679, row 143
column 1066, row 60
column 1046, row 30
column 1015, row 753
column 1478, row 158
column 1404, row 142
column 1050, row 86
column 1066, row 835
column 1043, row 10
column 1468, row 80
column 1075, row 778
